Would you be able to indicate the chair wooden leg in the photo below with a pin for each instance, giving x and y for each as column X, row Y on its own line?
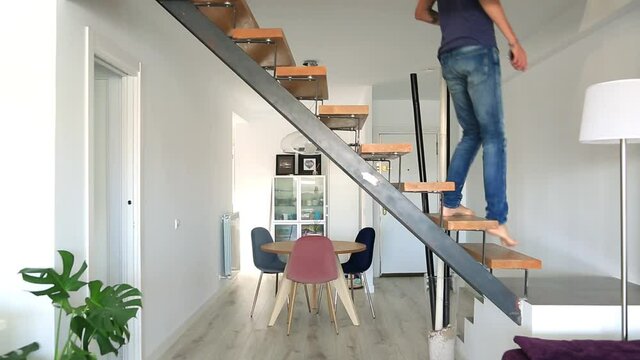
column 306, row 294
column 293, row 301
column 351, row 278
column 319, row 299
column 255, row 296
column 335, row 302
column 367, row 293
column 331, row 310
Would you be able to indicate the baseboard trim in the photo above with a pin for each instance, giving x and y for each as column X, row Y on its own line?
column 197, row 315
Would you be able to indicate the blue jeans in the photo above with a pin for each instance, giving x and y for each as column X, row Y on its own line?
column 472, row 74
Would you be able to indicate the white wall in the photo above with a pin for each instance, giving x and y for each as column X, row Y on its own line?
column 563, row 195
column 257, row 142
column 345, row 215
column 188, row 98
column 27, row 130
column 258, row 139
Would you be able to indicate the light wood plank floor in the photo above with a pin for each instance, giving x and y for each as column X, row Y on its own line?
column 225, row 330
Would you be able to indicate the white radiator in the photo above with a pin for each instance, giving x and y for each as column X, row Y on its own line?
column 230, row 244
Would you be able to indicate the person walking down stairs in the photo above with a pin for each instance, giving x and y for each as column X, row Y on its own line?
column 470, row 64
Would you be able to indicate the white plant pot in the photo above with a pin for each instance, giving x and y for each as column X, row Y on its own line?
column 442, row 344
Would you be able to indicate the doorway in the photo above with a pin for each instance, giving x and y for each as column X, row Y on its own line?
column 109, row 179
column 113, row 244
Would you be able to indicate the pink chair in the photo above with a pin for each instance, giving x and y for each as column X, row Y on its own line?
column 312, row 261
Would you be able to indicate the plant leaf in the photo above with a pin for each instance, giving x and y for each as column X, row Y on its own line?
column 21, row 354
column 107, row 312
column 61, row 283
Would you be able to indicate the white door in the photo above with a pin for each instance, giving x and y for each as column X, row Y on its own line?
column 113, row 247
column 400, row 251
column 105, row 258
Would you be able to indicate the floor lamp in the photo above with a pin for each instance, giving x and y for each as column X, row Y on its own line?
column 611, row 114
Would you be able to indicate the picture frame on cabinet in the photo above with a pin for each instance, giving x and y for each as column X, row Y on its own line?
column 309, row 164
column 285, row 164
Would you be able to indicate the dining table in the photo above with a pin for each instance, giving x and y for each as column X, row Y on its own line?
column 339, row 247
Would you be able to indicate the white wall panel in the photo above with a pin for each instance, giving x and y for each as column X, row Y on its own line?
column 27, row 131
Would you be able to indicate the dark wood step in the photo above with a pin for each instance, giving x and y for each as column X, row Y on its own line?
column 343, row 117
column 304, row 82
column 227, row 14
column 261, row 46
column 378, row 152
column 425, row 187
column 464, row 222
column 499, row 257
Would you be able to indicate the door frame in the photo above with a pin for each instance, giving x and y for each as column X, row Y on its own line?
column 100, row 48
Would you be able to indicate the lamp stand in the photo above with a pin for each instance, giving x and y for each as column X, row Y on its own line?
column 623, row 234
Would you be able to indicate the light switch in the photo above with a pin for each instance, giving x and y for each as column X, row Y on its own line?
column 176, row 224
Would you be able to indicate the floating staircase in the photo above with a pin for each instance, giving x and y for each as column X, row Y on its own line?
column 231, row 32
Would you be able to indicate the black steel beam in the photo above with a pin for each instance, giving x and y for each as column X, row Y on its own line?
column 344, row 157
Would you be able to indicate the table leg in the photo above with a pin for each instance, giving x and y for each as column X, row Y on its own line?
column 283, row 292
column 341, row 286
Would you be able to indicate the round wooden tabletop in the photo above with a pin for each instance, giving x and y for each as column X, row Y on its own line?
column 340, row 247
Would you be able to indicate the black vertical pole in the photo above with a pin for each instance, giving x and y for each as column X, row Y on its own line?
column 447, row 270
column 422, row 170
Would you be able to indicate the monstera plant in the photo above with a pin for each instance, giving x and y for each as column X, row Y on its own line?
column 22, row 353
column 101, row 320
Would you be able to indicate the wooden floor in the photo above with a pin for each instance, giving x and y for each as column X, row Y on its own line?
column 225, row 330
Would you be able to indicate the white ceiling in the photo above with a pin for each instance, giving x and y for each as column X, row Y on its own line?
column 378, row 42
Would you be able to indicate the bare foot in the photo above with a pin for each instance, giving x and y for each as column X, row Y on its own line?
column 502, row 232
column 460, row 210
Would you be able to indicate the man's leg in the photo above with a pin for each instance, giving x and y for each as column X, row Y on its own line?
column 486, row 94
column 455, row 73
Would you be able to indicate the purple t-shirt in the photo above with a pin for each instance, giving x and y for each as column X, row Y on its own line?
column 463, row 23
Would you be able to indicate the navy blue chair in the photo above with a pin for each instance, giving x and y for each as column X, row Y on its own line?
column 267, row 263
column 360, row 262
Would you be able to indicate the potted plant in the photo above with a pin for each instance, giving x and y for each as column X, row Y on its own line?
column 22, row 353
column 102, row 319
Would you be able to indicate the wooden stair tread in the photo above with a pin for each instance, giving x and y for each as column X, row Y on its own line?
column 464, row 222
column 221, row 13
column 304, row 82
column 499, row 257
column 252, row 41
column 343, row 117
column 378, row 152
column 422, row 187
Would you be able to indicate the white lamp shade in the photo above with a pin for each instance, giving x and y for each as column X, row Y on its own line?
column 611, row 112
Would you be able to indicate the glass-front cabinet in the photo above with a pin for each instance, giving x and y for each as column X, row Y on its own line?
column 299, row 206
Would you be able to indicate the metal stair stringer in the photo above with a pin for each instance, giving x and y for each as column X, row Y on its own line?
column 344, row 157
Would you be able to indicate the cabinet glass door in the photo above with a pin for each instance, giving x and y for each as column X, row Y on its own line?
column 285, row 198
column 312, row 229
column 285, row 232
column 312, row 198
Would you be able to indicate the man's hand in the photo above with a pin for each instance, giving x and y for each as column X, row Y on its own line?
column 518, row 57
column 424, row 12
